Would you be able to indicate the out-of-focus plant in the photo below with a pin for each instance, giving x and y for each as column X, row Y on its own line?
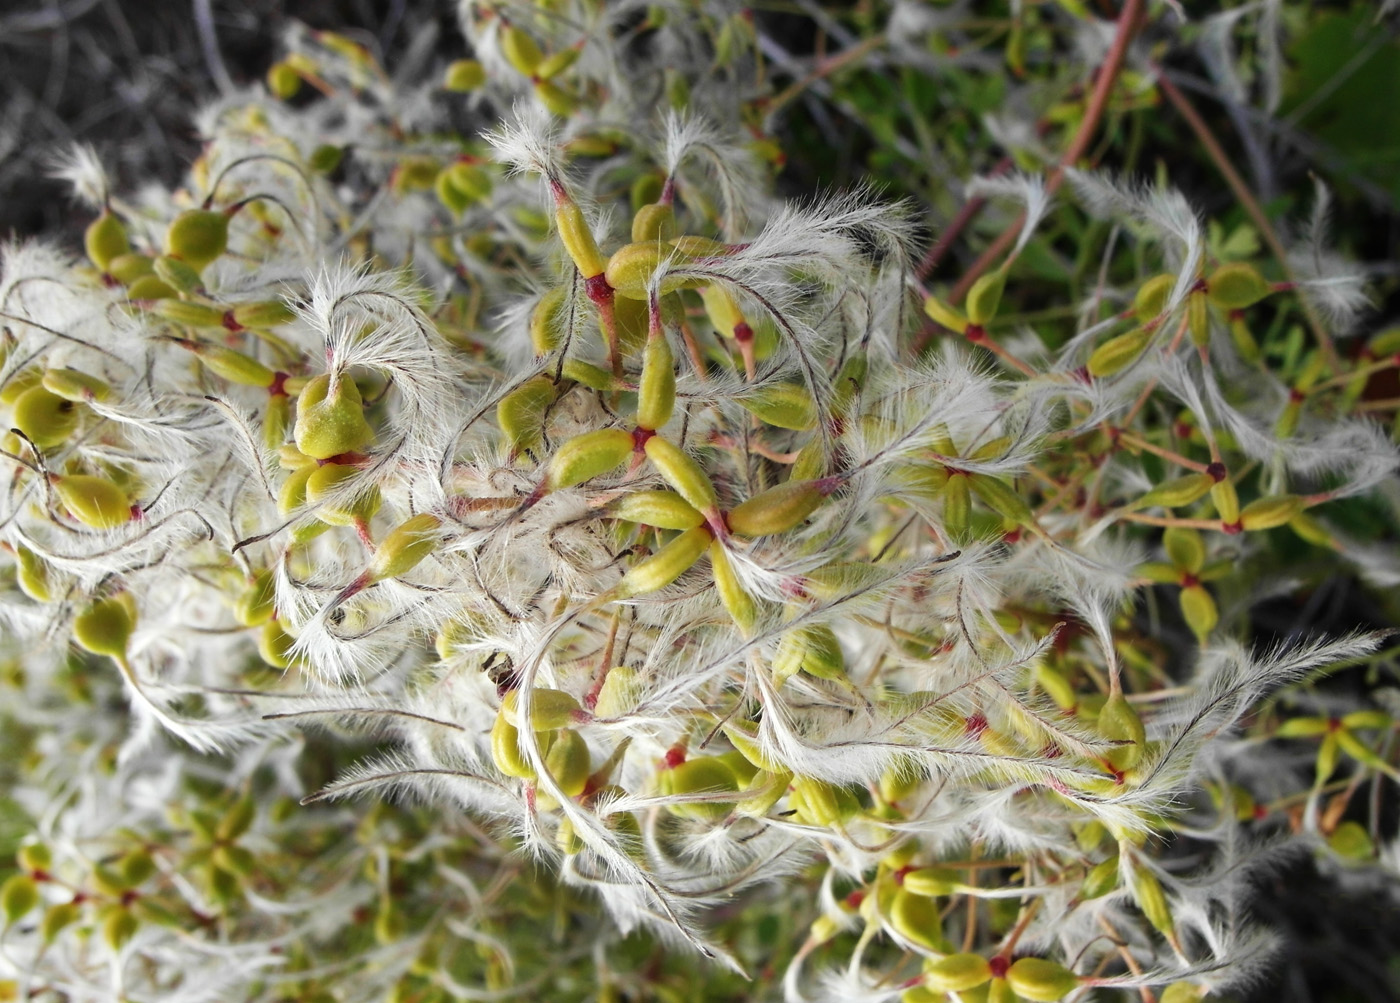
column 676, row 558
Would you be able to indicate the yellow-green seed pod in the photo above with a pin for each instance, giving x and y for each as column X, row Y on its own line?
column 118, row 927
column 656, row 221
column 699, row 247
column 665, row 566
column 44, row 417
column 1160, row 572
column 263, row 315
column 662, row 509
column 325, row 158
column 916, row 919
column 1185, row 548
column 957, row 506
column 645, row 189
column 1271, row 512
column 1175, row 493
column 1244, row 339
column 984, row 297
column 813, row 650
column 559, row 101
column 702, row 775
column 631, row 267
column 1227, row 501
column 944, row 315
column 33, row 575
column 656, row 392
column 415, row 173
column 546, row 321
column 578, row 240
column 820, row 803
column 566, row 839
column 1041, row 980
column 1236, row 285
column 1182, row 992
column 76, row 386
column 620, row 693
column 275, row 645
column 1151, row 298
column 328, row 478
column 1117, row 353
column 448, row 194
column 105, row 627
column 1198, row 318
column 631, row 324
column 197, row 237
column 505, row 750
column 737, row 601
column 587, row 456
column 957, row 973
column 472, row 181
column 188, row 314
column 150, row 287
column 550, row 709
column 1101, row 879
column 34, row 857
column 18, row 896
column 127, row 268
column 292, row 494
column 464, row 75
column 331, row 418
column 1056, row 686
column 782, row 405
column 743, row 739
column 1311, row 530
column 405, row 546
column 21, row 381
column 57, row 918
column 901, row 779
column 105, row 239
column 932, row 882
column 1152, row 900
column 520, row 50
column 177, row 274
column 283, row 80
column 1119, row 722
column 922, row 994
column 94, row 501
column 720, row 307
column 776, row 510
column 257, row 604
column 1002, row 499
column 557, row 63
column 233, row 366
column 520, row 413
column 682, row 473
column 569, row 763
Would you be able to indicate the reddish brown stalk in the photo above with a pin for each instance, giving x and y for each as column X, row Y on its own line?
column 1093, row 114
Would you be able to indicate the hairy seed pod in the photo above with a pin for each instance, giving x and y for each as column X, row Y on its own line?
column 782, row 405
column 1056, row 686
column 1185, row 548
column 656, row 393
column 405, row 546
column 105, row 627
column 127, row 268
column 957, row 506
column 587, row 456
column 656, row 221
column 1236, row 285
column 984, row 298
column 1119, row 722
column 550, row 709
column 150, row 287
column 747, row 744
column 46, row 418
column 1151, row 298
column 1101, row 879
column 568, row 762
column 292, row 494
column 327, row 479
column 1001, row 499
column 702, row 775
column 621, row 690
column 763, row 791
column 74, row 385
column 578, row 240
column 662, row 509
column 105, row 239
column 630, row 269
column 1198, row 318
column 1271, row 512
column 820, row 803
column 720, row 307
column 275, row 645
column 737, row 602
column 520, row 413
column 94, row 501
column 916, row 919
column 33, row 575
column 1041, row 980
column 505, row 750
column 464, row 75
column 957, row 973
column 1152, row 900
column 197, row 237
column 901, row 779
column 331, row 418
column 682, row 473
column 665, row 566
column 520, row 50
column 776, row 510
column 699, row 247
column 546, row 321
column 1175, row 493
column 257, row 604
column 813, row 650
column 1119, row 352
column 945, row 316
